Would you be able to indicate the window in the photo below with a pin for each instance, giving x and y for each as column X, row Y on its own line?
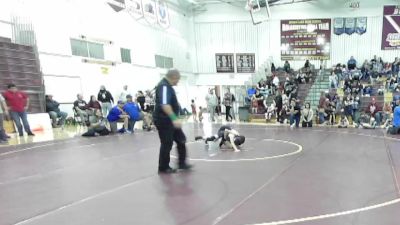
column 87, row 49
column 126, row 55
column 164, row 62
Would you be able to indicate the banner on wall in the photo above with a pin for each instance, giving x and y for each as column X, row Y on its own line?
column 338, row 26
column 391, row 28
column 149, row 11
column 350, row 26
column 361, row 25
column 224, row 62
column 305, row 39
column 134, row 8
column 245, row 62
column 162, row 14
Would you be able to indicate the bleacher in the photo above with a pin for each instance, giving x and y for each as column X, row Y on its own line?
column 19, row 64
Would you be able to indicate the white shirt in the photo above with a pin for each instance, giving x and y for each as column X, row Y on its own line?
column 276, row 81
column 122, row 96
column 212, row 100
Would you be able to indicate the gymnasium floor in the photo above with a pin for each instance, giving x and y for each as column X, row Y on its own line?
column 319, row 176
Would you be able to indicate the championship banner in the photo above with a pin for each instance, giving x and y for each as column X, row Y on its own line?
column 134, row 8
column 391, row 28
column 338, row 26
column 245, row 63
column 224, row 62
column 350, row 26
column 361, row 25
column 162, row 14
column 305, row 39
column 149, row 11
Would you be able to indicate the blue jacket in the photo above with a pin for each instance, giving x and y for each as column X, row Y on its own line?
column 114, row 114
column 133, row 110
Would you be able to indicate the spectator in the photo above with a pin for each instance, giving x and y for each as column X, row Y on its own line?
column 52, row 108
column 348, row 107
column 141, row 100
column 375, row 111
column 124, row 93
column 307, row 64
column 395, row 129
column 194, row 111
column 150, row 103
column 365, row 70
column 135, row 114
column 212, row 102
column 269, row 110
column 255, row 99
column 352, row 63
column 81, row 108
column 307, row 116
column 344, row 122
column 116, row 115
column 97, row 127
column 294, row 113
column 273, row 69
column 286, row 67
column 106, row 100
column 94, row 104
column 228, row 102
column 18, row 103
column 3, row 111
column 275, row 83
column 333, row 80
column 279, row 104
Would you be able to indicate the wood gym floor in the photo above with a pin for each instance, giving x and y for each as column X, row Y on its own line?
column 318, row 176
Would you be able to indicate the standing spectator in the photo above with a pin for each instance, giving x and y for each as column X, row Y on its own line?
column 228, row 102
column 286, row 67
column 94, row 104
column 194, row 113
column 3, row 110
column 294, row 114
column 149, row 104
column 124, row 93
column 275, row 84
column 352, row 63
column 307, row 116
column 167, row 123
column 18, row 103
column 106, row 100
column 333, row 80
column 321, row 108
column 141, row 100
column 279, row 104
column 117, row 114
column 212, row 102
column 348, row 107
column 81, row 108
column 52, row 108
column 273, row 69
column 396, row 119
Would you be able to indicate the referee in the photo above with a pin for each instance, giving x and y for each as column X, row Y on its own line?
column 166, row 120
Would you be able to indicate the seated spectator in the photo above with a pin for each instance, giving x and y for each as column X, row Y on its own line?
column 344, row 122
column 387, row 112
column 375, row 111
column 255, row 99
column 18, row 103
column 307, row 116
column 94, row 104
column 352, row 63
column 286, row 66
column 294, row 114
column 135, row 114
column 269, row 110
column 82, row 109
column 273, row 68
column 395, row 66
column 348, row 107
column 395, row 129
column 365, row 70
column 98, row 126
column 52, row 108
column 116, row 115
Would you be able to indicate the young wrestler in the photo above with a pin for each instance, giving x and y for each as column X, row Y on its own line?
column 226, row 134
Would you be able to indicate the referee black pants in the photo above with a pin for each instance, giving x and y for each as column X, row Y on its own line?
column 168, row 134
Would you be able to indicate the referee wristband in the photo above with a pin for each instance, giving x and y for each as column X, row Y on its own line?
column 173, row 117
